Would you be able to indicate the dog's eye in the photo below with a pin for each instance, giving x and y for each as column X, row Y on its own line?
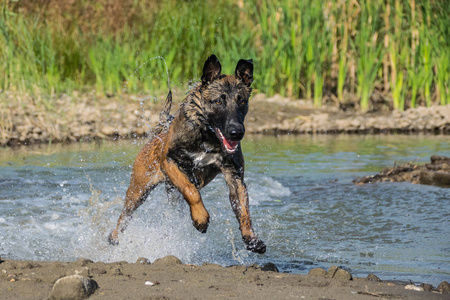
column 241, row 101
column 220, row 100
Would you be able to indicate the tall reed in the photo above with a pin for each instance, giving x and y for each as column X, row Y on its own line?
column 300, row 48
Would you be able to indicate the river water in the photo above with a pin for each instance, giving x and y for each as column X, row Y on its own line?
column 59, row 202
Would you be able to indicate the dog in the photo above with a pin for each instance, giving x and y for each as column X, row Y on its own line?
column 190, row 148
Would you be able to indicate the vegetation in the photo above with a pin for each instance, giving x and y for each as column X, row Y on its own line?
column 398, row 49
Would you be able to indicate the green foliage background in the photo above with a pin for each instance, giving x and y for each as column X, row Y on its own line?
column 400, row 49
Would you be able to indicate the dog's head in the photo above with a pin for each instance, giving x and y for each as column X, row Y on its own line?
column 225, row 100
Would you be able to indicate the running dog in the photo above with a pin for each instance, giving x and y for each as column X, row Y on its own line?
column 200, row 141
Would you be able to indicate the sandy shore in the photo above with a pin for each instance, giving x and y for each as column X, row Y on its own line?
column 168, row 278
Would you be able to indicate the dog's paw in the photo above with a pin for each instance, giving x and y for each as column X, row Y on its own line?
column 113, row 240
column 201, row 227
column 255, row 245
column 200, row 220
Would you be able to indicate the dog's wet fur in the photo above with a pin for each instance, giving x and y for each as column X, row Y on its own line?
column 200, row 141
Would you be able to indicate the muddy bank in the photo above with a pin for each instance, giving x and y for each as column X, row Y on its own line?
column 298, row 117
column 86, row 117
column 437, row 173
column 168, row 278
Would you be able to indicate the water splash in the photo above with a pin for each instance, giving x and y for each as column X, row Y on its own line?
column 159, row 228
column 143, row 99
column 144, row 63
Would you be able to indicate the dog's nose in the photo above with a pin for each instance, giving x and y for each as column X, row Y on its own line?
column 236, row 134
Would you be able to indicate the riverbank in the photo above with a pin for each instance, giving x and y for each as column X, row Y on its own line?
column 26, row 120
column 169, row 278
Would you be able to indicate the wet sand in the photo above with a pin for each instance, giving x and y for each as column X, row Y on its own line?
column 168, row 278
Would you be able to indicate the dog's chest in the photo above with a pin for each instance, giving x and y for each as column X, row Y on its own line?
column 203, row 158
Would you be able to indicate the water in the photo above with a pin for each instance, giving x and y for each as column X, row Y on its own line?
column 59, row 202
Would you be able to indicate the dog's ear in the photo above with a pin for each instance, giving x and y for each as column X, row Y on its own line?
column 244, row 71
column 211, row 69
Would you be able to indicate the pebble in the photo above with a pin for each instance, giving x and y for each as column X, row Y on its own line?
column 426, row 287
column 169, row 260
column 373, row 277
column 319, row 272
column 270, row 267
column 143, row 260
column 342, row 274
column 412, row 287
column 444, row 287
column 333, row 272
column 73, row 287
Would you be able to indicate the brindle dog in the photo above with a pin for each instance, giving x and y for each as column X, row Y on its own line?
column 200, row 141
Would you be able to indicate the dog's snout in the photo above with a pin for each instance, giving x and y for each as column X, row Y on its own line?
column 236, row 133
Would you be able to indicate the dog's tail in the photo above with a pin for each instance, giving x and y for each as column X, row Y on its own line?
column 165, row 118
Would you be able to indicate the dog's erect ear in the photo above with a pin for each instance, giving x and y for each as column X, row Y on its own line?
column 211, row 69
column 244, row 71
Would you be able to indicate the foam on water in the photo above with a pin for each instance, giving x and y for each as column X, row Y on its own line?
column 159, row 228
column 77, row 225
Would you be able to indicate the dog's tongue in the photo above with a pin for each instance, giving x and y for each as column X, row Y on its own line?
column 230, row 146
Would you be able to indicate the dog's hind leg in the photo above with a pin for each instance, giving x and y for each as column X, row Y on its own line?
column 144, row 178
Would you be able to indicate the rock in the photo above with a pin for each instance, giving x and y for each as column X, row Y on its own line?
column 169, row 260
column 426, row 287
column 338, row 273
column 436, row 173
column 270, row 267
column 342, row 275
column 143, row 260
column 11, row 277
column 434, row 178
column 331, row 271
column 372, row 277
column 74, row 287
column 444, row 287
column 319, row 272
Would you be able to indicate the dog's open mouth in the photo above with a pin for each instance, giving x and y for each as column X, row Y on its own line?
column 230, row 146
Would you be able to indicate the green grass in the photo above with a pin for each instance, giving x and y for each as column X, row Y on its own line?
column 300, row 48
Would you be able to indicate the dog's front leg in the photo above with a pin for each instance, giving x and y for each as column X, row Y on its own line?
column 240, row 204
column 199, row 214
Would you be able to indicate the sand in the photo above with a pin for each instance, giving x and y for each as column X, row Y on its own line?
column 168, row 278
